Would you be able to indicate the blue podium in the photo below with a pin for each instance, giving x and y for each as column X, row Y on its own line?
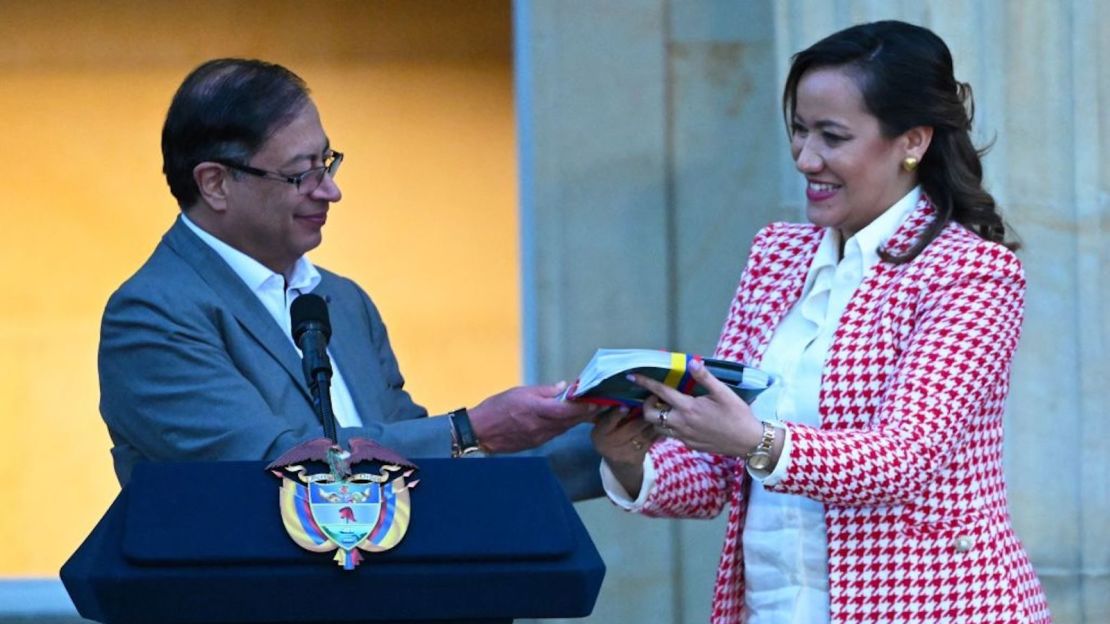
column 490, row 540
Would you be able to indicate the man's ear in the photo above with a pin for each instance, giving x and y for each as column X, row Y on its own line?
column 212, row 181
column 917, row 140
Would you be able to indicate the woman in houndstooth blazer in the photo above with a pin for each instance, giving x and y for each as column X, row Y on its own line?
column 868, row 487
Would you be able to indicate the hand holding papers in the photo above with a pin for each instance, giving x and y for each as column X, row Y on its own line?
column 604, row 380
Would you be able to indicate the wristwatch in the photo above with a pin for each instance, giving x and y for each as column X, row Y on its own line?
column 759, row 457
column 464, row 442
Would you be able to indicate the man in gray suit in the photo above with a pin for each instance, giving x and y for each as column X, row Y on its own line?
column 196, row 360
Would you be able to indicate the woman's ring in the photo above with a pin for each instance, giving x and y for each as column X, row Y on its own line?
column 663, row 417
column 638, row 445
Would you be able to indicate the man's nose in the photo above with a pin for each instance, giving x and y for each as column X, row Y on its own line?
column 328, row 190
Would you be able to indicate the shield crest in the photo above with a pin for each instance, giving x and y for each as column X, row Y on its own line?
column 341, row 511
column 345, row 511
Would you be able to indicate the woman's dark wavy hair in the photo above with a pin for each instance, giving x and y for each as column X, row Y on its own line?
column 225, row 110
column 905, row 75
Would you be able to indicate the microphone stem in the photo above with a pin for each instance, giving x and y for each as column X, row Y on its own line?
column 322, row 403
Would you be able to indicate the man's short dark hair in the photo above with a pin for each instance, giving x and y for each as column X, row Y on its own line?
column 225, row 110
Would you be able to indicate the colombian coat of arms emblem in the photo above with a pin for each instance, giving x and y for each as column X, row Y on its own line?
column 350, row 507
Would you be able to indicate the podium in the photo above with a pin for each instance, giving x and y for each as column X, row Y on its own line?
column 490, row 540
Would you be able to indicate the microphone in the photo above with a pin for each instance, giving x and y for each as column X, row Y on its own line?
column 311, row 329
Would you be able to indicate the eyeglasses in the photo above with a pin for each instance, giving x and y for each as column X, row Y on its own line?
column 305, row 182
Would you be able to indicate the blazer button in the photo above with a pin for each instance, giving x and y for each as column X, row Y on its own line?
column 963, row 544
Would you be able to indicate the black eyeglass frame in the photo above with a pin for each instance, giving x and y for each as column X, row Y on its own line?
column 330, row 168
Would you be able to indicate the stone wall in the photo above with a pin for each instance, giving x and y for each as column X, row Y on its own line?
column 652, row 149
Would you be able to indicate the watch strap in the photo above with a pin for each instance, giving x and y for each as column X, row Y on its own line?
column 463, row 439
column 761, row 453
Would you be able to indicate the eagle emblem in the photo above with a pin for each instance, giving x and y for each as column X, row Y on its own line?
column 343, row 509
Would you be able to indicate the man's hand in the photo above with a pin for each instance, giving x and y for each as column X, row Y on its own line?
column 527, row 416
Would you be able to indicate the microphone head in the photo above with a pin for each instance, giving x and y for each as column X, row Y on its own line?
column 309, row 312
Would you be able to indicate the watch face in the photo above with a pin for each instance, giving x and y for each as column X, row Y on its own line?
column 759, row 461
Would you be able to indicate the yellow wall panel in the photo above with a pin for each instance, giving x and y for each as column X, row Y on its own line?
column 418, row 95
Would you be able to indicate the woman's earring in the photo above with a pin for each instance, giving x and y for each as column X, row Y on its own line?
column 909, row 163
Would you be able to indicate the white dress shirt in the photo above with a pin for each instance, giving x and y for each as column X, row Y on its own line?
column 276, row 296
column 785, row 540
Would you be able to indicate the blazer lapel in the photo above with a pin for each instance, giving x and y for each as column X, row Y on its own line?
column 790, row 265
column 237, row 299
column 346, row 346
column 856, row 336
column 884, row 272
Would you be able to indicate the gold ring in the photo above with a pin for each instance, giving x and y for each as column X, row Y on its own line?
column 638, row 445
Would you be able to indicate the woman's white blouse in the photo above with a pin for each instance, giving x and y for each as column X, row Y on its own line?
column 785, row 539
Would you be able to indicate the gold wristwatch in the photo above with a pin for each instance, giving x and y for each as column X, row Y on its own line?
column 759, row 457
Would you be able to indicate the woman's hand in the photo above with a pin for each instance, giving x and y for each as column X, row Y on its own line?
column 623, row 443
column 717, row 422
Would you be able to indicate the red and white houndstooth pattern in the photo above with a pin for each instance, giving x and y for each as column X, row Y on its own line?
column 908, row 457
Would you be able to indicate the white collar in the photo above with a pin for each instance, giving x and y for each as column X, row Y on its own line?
column 254, row 274
column 863, row 248
column 871, row 238
column 867, row 242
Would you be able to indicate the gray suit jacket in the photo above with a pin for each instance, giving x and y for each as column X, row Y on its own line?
column 192, row 367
